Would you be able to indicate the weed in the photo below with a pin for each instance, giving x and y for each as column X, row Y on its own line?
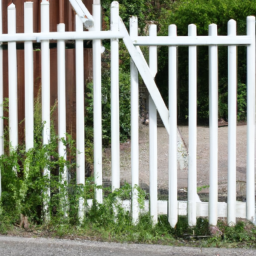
column 202, row 187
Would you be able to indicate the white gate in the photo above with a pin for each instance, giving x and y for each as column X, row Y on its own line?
column 192, row 208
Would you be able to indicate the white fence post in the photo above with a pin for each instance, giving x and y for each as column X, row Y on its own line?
column 115, row 128
column 232, row 117
column 29, row 77
column 12, row 74
column 45, row 78
column 213, row 116
column 173, row 197
column 80, row 136
column 250, row 175
column 62, row 112
column 134, row 127
column 1, row 98
column 97, row 105
column 192, row 170
column 153, row 132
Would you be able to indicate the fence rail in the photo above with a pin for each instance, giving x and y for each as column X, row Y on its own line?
column 192, row 208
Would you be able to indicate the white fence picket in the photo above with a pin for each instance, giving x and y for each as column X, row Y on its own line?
column 134, row 127
column 12, row 77
column 61, row 62
column 45, row 78
column 153, row 132
column 115, row 130
column 29, row 77
column 192, row 170
column 1, row 98
column 97, row 105
column 250, row 175
column 145, row 73
column 173, row 195
column 232, row 117
column 80, row 136
column 213, row 120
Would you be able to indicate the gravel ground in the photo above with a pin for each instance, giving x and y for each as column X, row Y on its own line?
column 15, row 246
column 202, row 159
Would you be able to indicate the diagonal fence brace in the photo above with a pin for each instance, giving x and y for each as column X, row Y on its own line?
column 83, row 13
column 146, row 75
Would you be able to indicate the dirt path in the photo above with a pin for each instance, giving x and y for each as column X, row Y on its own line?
column 202, row 159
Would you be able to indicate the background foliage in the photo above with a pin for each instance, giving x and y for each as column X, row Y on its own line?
column 202, row 13
column 182, row 13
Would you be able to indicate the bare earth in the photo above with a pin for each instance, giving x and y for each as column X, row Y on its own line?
column 202, row 159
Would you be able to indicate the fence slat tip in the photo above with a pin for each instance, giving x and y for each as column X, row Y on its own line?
column 11, row 6
column 115, row 4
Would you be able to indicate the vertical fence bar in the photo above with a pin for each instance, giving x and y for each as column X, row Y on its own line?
column 61, row 60
column 97, row 112
column 1, row 97
column 153, row 132
column 29, row 77
column 12, row 75
column 173, row 198
column 192, row 171
column 250, row 176
column 80, row 136
column 134, row 127
column 45, row 78
column 213, row 115
column 232, row 116
column 115, row 132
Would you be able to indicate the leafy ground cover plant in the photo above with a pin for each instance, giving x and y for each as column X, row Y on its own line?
column 25, row 186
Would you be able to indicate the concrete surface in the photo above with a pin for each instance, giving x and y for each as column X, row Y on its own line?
column 15, row 246
column 202, row 159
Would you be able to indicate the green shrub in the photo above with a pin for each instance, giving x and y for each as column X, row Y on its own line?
column 202, row 13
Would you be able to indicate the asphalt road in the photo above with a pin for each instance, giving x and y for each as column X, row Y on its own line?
column 55, row 247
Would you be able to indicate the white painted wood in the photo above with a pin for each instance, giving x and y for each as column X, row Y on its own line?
column 232, row 117
column 12, row 75
column 80, row 136
column 173, row 186
column 250, row 175
column 192, row 170
column 61, row 62
column 115, row 130
column 198, row 40
column 134, row 127
column 202, row 208
column 153, row 131
column 146, row 75
column 37, row 37
column 1, row 98
column 83, row 13
column 29, row 77
column 45, row 78
column 240, row 209
column 213, row 116
column 97, row 113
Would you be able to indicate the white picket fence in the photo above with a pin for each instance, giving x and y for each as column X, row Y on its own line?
column 192, row 208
